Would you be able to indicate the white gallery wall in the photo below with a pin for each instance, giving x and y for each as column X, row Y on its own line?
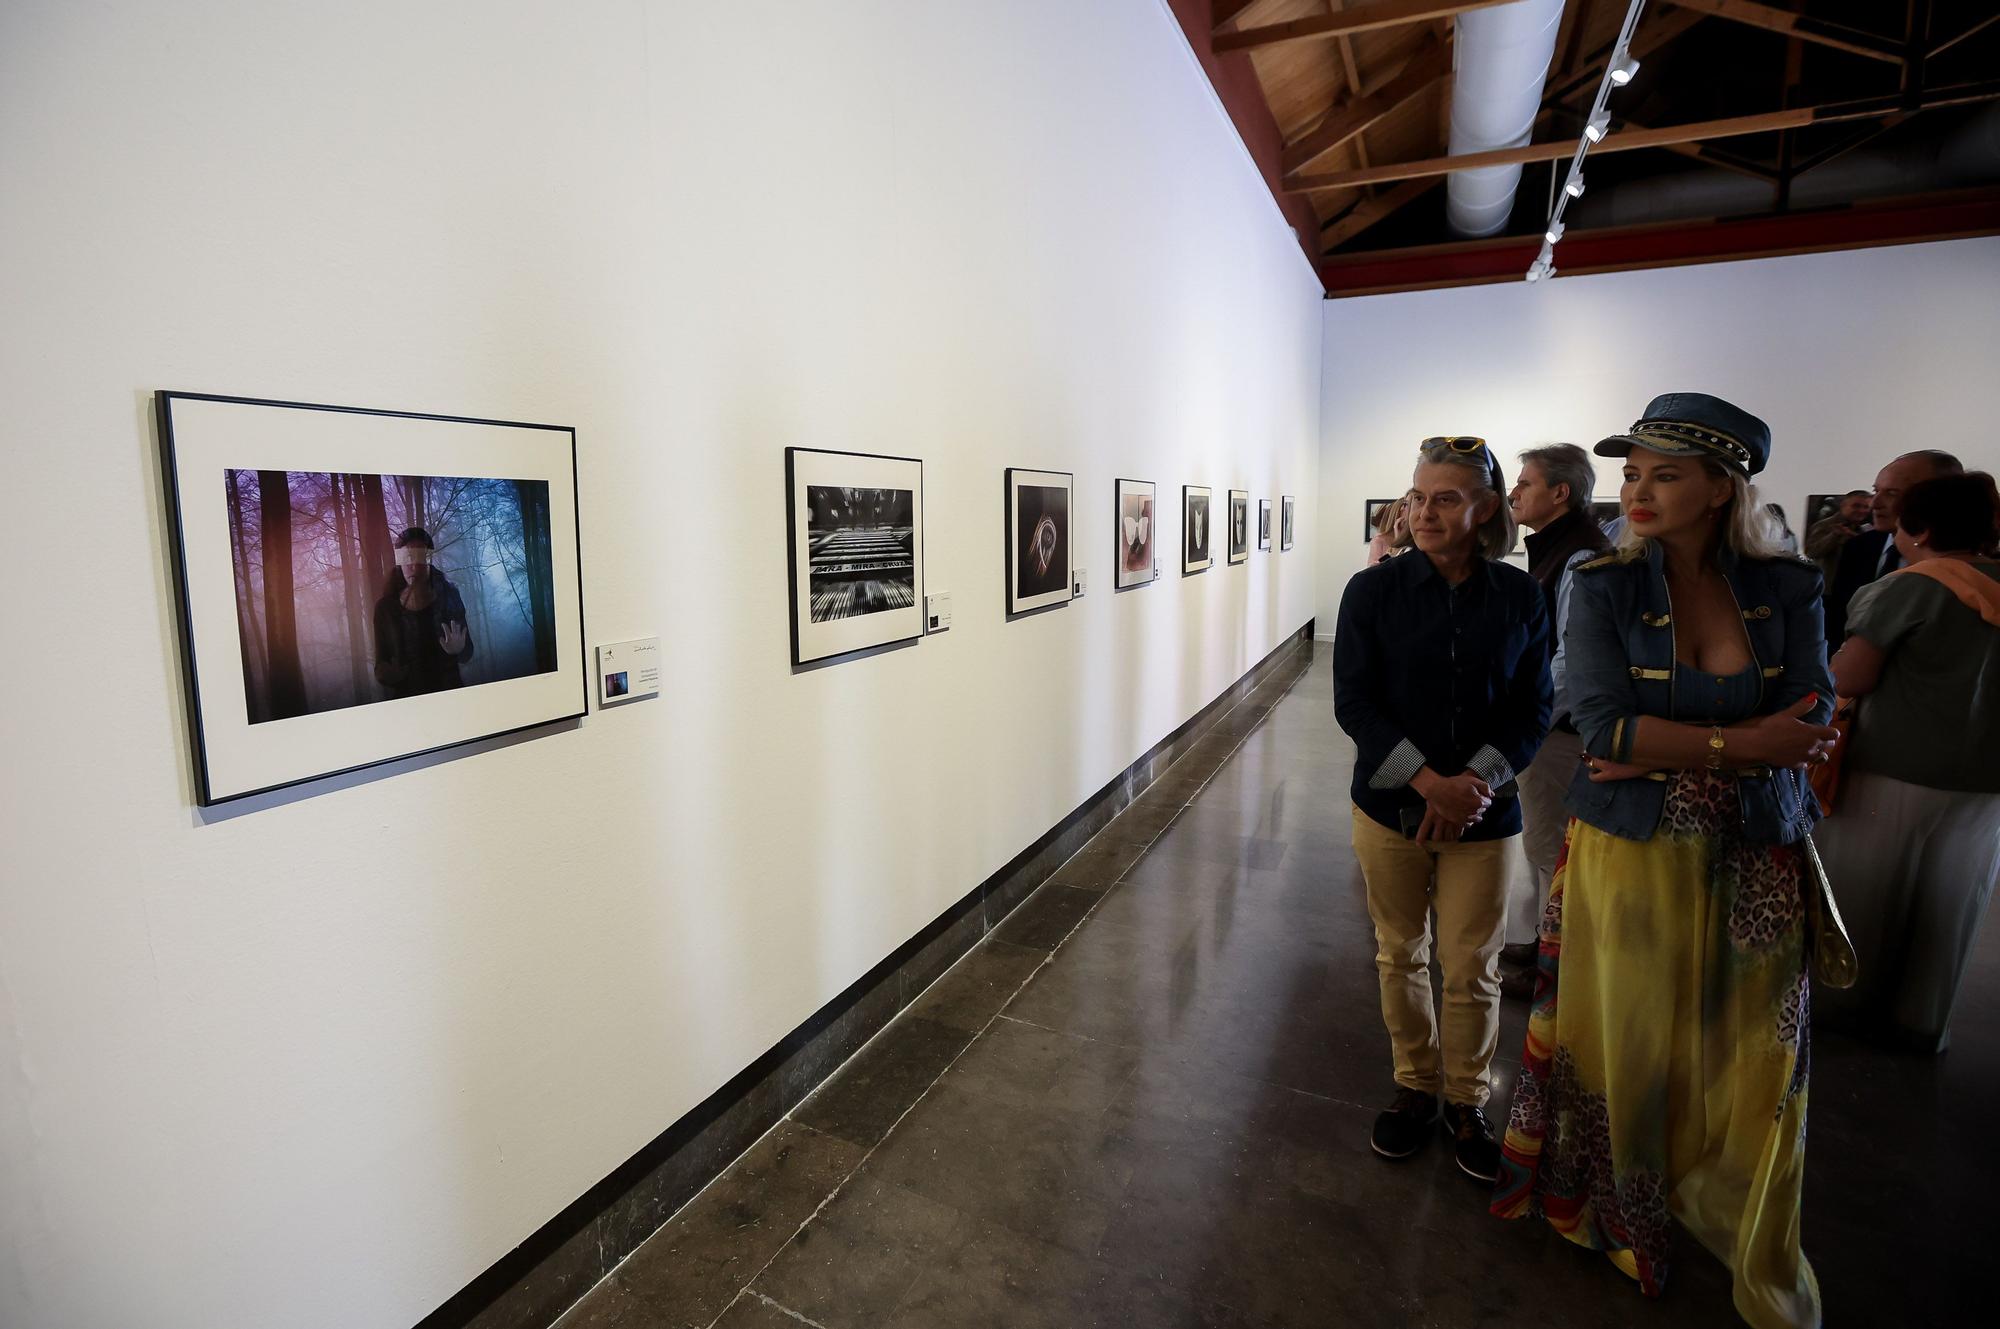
column 320, row 1058
column 1850, row 357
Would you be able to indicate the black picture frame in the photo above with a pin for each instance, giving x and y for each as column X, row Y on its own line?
column 1239, row 526
column 1285, row 523
column 1057, row 523
column 893, row 626
column 1141, row 543
column 1197, row 529
column 1371, row 509
column 1819, row 507
column 233, row 753
column 1603, row 511
column 1264, row 524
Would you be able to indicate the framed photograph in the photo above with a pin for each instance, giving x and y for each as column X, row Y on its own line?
column 1371, row 512
column 1605, row 510
column 1038, row 539
column 855, row 531
column 1821, row 506
column 1239, row 526
column 357, row 586
column 1285, row 522
column 1134, row 528
column 1263, row 523
column 1195, row 554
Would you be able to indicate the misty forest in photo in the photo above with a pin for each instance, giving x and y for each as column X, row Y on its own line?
column 314, row 553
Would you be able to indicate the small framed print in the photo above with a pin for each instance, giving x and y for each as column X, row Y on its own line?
column 1039, row 559
column 1285, row 522
column 855, row 534
column 1195, row 552
column 1239, row 526
column 1371, row 513
column 1134, row 528
column 358, row 586
column 1264, row 523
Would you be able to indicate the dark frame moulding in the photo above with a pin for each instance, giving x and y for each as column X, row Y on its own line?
column 534, row 1284
column 163, row 400
column 792, row 560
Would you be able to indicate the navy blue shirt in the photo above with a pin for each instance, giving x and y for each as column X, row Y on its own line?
column 1451, row 677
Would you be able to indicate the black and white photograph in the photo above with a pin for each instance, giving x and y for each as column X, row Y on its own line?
column 1264, row 523
column 1195, row 552
column 1038, row 539
column 1604, row 511
column 856, row 540
column 1285, row 523
column 1134, row 532
column 363, row 585
column 1239, row 526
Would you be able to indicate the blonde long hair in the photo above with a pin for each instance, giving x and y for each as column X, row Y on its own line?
column 1746, row 532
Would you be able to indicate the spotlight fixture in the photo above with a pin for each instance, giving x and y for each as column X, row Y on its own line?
column 1599, row 126
column 1554, row 233
column 1623, row 68
column 1574, row 185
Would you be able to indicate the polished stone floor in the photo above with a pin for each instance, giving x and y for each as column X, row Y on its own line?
column 1146, row 1102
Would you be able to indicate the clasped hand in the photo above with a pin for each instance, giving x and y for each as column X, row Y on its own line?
column 1452, row 806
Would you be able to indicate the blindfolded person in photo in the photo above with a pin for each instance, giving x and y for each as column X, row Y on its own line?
column 420, row 633
column 1441, row 677
column 1664, row 1076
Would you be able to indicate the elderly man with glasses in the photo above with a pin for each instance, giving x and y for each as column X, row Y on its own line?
column 1441, row 677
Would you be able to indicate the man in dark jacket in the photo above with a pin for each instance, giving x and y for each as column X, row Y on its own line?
column 420, row 634
column 1552, row 498
column 1872, row 554
column 1441, row 677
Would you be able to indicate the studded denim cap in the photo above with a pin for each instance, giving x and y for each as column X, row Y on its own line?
column 1694, row 424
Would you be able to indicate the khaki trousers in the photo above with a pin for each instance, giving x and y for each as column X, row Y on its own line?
column 1470, row 897
column 1546, row 821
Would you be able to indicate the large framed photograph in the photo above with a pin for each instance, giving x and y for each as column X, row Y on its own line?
column 1264, row 523
column 1285, row 523
column 1821, row 506
column 1195, row 554
column 1038, row 539
column 358, row 586
column 1239, row 526
column 1604, row 511
column 855, row 532
column 1134, row 531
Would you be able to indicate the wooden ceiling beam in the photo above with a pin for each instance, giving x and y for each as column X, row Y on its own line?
column 1627, row 140
column 1225, row 12
column 1972, row 31
column 1362, row 18
column 1368, row 211
column 1355, row 115
column 1653, row 33
column 1786, row 23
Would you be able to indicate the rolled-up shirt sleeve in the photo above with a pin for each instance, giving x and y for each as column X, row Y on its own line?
column 1381, row 747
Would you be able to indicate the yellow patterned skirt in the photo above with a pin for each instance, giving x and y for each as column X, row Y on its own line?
column 1665, row 1071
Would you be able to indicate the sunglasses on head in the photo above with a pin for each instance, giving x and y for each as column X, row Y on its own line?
column 1463, row 444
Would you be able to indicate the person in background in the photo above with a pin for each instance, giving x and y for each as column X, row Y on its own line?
column 1826, row 537
column 1392, row 531
column 1782, row 534
column 1664, row 1076
column 1913, row 845
column 1551, row 498
column 1873, row 553
column 1441, row 677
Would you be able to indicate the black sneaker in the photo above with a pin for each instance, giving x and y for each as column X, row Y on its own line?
column 1405, row 1126
column 1472, row 1136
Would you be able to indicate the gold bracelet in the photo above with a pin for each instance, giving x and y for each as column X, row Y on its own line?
column 1715, row 746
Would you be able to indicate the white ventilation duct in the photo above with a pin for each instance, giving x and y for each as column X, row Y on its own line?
column 1503, row 57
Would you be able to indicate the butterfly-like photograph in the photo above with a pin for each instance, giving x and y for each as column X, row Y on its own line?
column 1196, row 555
column 1134, row 528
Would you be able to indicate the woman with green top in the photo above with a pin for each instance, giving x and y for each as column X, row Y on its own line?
column 1913, row 847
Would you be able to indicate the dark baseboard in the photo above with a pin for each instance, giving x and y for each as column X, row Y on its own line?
column 533, row 1284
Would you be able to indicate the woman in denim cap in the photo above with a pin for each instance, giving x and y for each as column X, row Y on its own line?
column 1665, row 1072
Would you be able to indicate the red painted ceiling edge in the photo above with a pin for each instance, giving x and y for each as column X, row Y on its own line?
column 1862, row 226
column 1235, row 83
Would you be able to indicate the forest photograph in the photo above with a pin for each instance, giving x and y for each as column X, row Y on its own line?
column 353, row 589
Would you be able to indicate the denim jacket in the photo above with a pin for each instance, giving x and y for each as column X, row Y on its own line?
column 1619, row 645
